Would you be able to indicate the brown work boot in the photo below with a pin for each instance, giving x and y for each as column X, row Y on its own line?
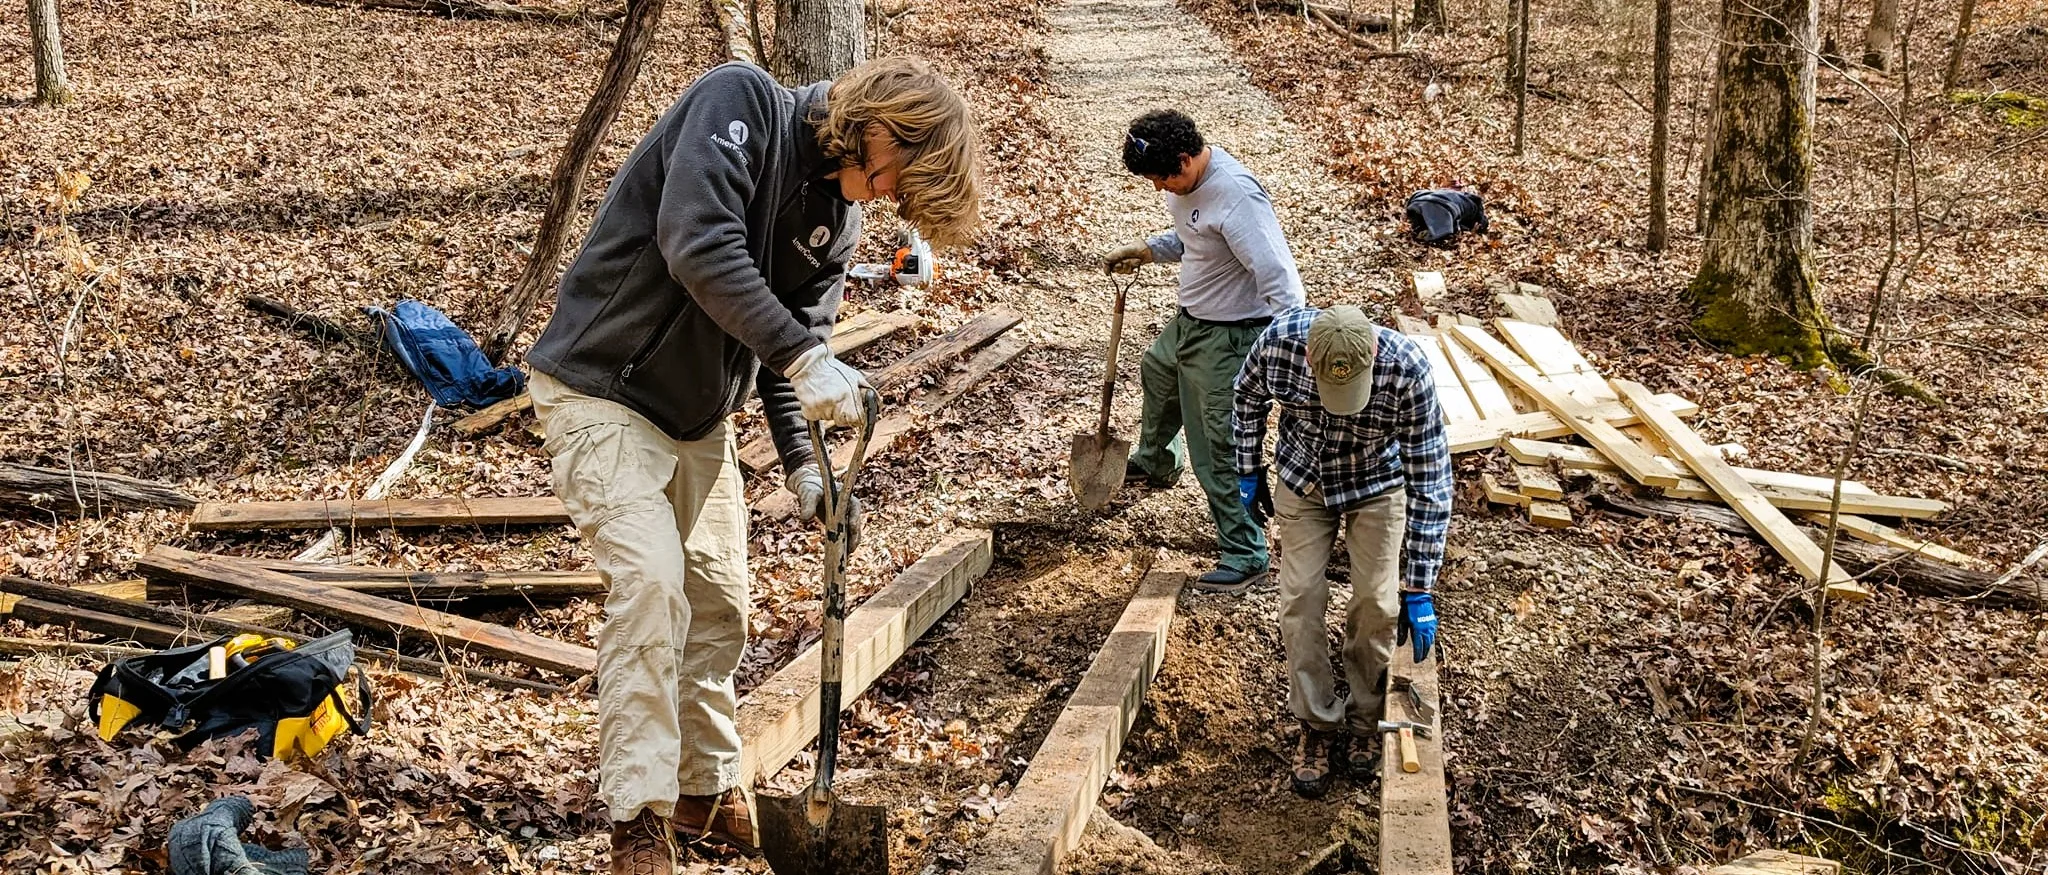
column 726, row 817
column 1315, row 755
column 643, row 846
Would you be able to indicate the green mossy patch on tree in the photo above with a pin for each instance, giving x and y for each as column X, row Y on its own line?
column 1721, row 319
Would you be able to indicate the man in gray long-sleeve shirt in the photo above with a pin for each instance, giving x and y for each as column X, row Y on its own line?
column 717, row 260
column 1236, row 275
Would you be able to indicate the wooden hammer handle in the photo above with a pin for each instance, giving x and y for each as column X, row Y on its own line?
column 1409, row 762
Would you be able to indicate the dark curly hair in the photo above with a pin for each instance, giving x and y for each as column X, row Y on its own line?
column 1157, row 141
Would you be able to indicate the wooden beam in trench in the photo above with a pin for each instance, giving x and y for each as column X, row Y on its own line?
column 780, row 717
column 1046, row 814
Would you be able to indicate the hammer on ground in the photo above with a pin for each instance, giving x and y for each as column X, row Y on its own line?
column 1407, row 730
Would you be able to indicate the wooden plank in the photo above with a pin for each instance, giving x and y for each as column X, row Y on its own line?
column 1049, row 809
column 404, row 583
column 1874, row 532
column 255, row 615
column 780, row 717
column 12, row 646
column 35, row 611
column 1798, row 549
column 1528, row 308
column 488, row 418
column 460, row 633
column 1429, row 287
column 758, row 456
column 1771, row 862
column 1501, row 495
column 1571, row 458
column 1488, row 433
column 545, row 510
column 892, row 429
column 1537, row 483
column 1638, row 464
column 1550, row 514
column 1487, row 395
column 1415, row 818
column 1450, row 391
column 1557, row 359
column 83, row 492
column 1785, row 498
column 135, row 589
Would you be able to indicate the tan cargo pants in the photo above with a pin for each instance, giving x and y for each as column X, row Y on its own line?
column 666, row 521
column 1307, row 530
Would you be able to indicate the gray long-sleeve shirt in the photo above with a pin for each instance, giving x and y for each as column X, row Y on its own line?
column 1234, row 261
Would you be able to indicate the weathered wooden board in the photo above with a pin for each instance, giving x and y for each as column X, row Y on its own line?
column 543, row 510
column 1415, row 818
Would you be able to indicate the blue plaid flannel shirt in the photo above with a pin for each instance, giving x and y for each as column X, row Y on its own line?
column 1397, row 441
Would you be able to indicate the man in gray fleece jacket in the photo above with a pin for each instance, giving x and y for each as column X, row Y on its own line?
column 717, row 262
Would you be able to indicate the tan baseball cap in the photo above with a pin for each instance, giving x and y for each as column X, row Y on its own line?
column 1341, row 346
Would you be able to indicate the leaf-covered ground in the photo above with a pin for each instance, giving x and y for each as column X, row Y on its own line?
column 340, row 158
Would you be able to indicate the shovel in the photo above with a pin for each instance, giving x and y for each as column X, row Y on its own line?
column 1096, row 467
column 813, row 833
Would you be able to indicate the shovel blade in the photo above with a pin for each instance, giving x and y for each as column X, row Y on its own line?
column 841, row 839
column 1095, row 468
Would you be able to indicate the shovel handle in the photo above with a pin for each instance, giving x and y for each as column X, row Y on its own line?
column 832, row 513
column 1116, row 333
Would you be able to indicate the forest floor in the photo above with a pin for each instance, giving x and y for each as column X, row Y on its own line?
column 337, row 158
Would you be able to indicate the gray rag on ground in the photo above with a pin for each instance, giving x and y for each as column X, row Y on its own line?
column 210, row 843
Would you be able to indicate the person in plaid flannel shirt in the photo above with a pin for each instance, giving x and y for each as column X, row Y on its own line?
column 1361, row 446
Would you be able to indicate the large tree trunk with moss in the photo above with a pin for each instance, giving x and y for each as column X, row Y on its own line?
column 817, row 39
column 1757, row 290
column 1882, row 34
column 47, row 43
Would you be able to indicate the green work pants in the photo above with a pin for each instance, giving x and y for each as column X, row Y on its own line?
column 1189, row 375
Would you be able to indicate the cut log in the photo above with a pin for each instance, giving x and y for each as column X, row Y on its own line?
column 1790, row 542
column 892, row 429
column 395, row 512
column 1550, row 514
column 448, row 630
column 27, row 487
column 490, row 417
column 1488, row 433
column 1871, row 531
column 759, row 457
column 1049, row 810
column 1910, row 572
column 780, row 717
column 1590, row 425
column 165, row 616
column 1415, row 818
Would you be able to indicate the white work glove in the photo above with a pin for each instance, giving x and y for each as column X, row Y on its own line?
column 828, row 390
column 809, row 487
column 1126, row 259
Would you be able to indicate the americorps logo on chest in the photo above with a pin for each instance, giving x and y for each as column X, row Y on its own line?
column 820, row 236
column 1194, row 215
column 737, row 131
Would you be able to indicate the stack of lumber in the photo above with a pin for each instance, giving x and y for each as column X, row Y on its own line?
column 408, row 608
column 1520, row 386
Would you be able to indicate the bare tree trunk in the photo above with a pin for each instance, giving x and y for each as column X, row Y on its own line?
column 1757, row 289
column 1427, row 15
column 817, row 39
column 565, row 187
column 1699, row 206
column 1521, row 71
column 1964, row 20
column 52, row 87
column 1881, row 35
column 1660, row 130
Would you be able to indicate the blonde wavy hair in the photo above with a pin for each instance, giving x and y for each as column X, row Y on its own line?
column 938, row 188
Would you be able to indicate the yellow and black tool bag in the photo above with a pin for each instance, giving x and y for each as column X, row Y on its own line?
column 292, row 695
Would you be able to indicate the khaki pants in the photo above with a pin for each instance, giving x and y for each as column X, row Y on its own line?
column 666, row 521
column 1307, row 530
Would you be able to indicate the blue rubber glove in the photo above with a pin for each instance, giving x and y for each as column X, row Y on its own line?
column 1418, row 621
column 1257, row 497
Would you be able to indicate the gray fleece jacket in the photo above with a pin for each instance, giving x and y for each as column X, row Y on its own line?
column 720, row 250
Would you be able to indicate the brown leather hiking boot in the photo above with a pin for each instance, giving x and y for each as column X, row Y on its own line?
column 727, row 817
column 1316, row 754
column 643, row 846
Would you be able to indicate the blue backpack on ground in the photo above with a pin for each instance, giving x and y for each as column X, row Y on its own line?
column 444, row 357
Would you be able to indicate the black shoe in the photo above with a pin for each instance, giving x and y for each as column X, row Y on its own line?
column 1316, row 754
column 1136, row 476
column 1226, row 580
